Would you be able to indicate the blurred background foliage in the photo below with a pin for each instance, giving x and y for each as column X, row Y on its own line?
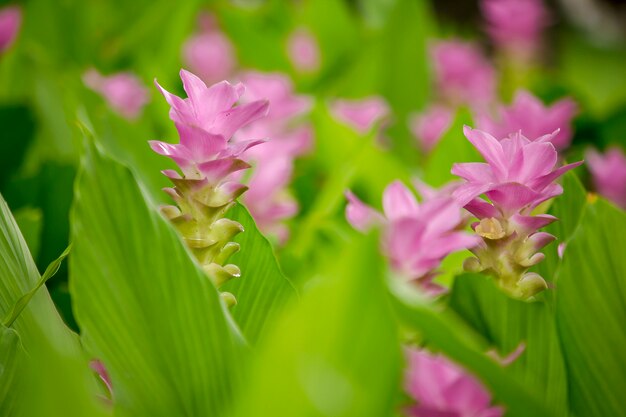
column 368, row 47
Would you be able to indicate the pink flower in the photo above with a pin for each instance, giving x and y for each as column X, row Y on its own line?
column 528, row 114
column 361, row 114
column 515, row 24
column 417, row 236
column 303, row 51
column 462, row 73
column 428, row 127
column 608, row 172
column 443, row 389
column 518, row 176
column 99, row 368
column 206, row 121
column 123, row 91
column 209, row 53
column 10, row 22
column 268, row 199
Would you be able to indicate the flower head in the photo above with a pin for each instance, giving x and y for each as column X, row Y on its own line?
column 518, row 176
column 209, row 53
column 10, row 22
column 442, row 388
column 608, row 173
column 428, row 127
column 417, row 236
column 206, row 121
column 463, row 74
column 123, row 91
column 303, row 51
column 515, row 24
column 362, row 114
column 528, row 114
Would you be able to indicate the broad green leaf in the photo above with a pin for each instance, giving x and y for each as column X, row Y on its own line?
column 506, row 323
column 11, row 361
column 54, row 369
column 145, row 307
column 591, row 308
column 444, row 331
column 262, row 291
column 336, row 353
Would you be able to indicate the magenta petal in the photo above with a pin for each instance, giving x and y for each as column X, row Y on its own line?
column 240, row 147
column 481, row 209
column 220, row 168
column 219, row 97
column 541, row 239
column 539, row 159
column 467, row 192
column 543, row 181
column 511, row 197
column 178, row 153
column 489, row 148
column 228, row 122
column 170, row 173
column 194, row 87
column 473, row 172
column 399, row 201
column 361, row 216
column 180, row 110
column 529, row 224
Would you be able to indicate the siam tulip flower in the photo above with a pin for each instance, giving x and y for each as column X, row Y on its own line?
column 518, row 176
column 528, row 114
column 206, row 121
column 99, row 368
column 463, row 75
column 416, row 236
column 10, row 22
column 268, row 199
column 123, row 91
column 361, row 114
column 608, row 172
column 442, row 388
column 429, row 126
column 516, row 25
column 209, row 53
column 303, row 51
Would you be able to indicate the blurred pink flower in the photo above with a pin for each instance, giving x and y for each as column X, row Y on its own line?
column 206, row 121
column 10, row 22
column 99, row 368
column 518, row 176
column 428, row 127
column 303, row 51
column 528, row 114
column 608, row 172
column 209, row 53
column 361, row 114
column 268, row 199
column 123, row 91
column 516, row 24
column 416, row 236
column 463, row 75
column 441, row 388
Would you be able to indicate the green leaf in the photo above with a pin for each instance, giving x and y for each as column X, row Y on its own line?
column 506, row 323
column 336, row 353
column 262, row 290
column 444, row 330
column 10, row 363
column 591, row 307
column 145, row 307
column 22, row 302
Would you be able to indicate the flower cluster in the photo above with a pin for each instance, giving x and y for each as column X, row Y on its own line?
column 206, row 121
column 528, row 114
column 209, row 53
column 428, row 127
column 516, row 25
column 268, row 200
column 518, row 176
column 123, row 91
column 10, row 22
column 608, row 173
column 416, row 236
column 442, row 388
